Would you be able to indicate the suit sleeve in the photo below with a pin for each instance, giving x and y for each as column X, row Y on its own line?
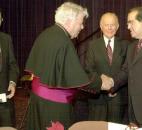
column 90, row 68
column 13, row 68
column 120, row 78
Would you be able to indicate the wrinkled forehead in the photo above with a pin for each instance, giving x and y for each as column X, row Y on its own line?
column 109, row 19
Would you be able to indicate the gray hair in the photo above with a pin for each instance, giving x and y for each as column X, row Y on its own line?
column 69, row 10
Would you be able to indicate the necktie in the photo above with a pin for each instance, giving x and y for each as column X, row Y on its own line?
column 109, row 52
column 138, row 46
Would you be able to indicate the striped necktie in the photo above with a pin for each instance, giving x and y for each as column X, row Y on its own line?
column 109, row 52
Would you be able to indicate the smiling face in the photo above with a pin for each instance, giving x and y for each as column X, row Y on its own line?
column 109, row 24
column 134, row 26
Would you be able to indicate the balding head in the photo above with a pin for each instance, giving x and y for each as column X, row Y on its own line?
column 109, row 24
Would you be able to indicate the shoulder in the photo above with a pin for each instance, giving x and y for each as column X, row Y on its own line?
column 132, row 43
column 123, row 42
column 5, row 39
column 95, row 42
column 121, row 39
column 3, row 34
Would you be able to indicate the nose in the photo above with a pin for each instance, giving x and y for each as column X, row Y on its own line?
column 110, row 26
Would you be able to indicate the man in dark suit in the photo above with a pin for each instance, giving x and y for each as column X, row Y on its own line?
column 8, row 78
column 99, row 61
column 132, row 68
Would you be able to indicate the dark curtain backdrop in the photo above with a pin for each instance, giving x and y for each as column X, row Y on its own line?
column 25, row 19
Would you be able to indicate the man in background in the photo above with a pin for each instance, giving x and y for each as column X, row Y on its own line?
column 106, row 55
column 8, row 79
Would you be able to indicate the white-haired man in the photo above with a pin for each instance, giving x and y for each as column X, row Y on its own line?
column 56, row 68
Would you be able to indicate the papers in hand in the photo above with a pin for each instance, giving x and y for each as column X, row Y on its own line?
column 3, row 97
column 116, row 126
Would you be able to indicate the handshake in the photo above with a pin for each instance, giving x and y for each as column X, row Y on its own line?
column 107, row 82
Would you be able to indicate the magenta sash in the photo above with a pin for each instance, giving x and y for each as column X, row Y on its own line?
column 52, row 94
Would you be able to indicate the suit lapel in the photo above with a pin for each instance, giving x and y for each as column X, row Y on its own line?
column 136, row 57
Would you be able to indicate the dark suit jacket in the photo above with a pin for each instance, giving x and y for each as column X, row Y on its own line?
column 9, row 70
column 132, row 70
column 97, row 61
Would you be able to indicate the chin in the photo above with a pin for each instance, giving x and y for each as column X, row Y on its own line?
column 133, row 34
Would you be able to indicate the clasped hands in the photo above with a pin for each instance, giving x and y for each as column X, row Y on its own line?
column 107, row 84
